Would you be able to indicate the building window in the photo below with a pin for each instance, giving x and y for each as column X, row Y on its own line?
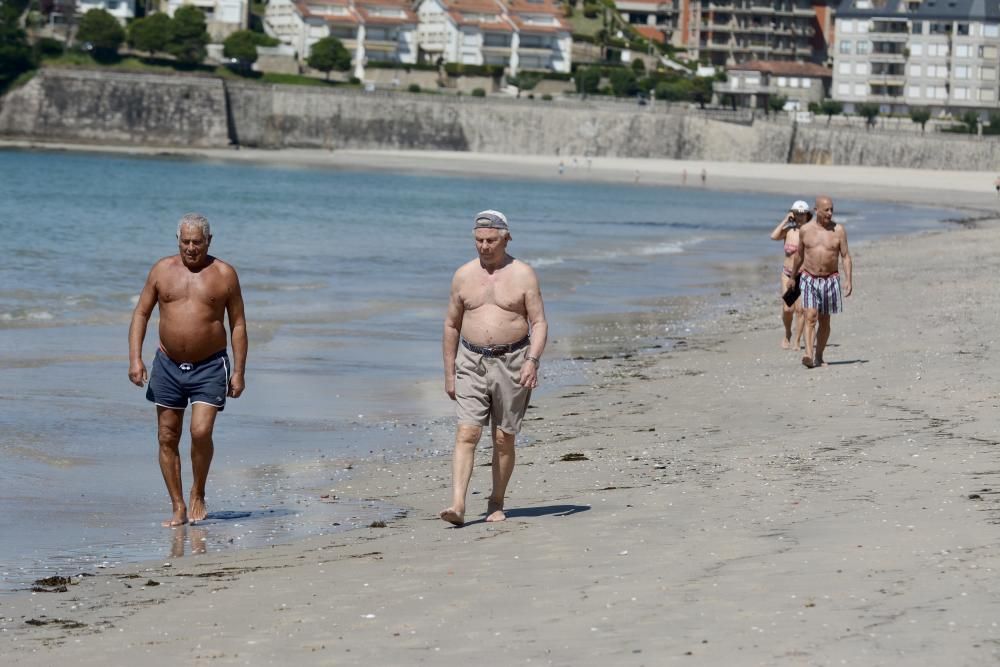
column 845, row 46
column 861, row 68
column 987, row 95
column 782, row 82
column 913, row 91
column 917, row 28
column 793, row 82
column 988, row 52
column 843, row 89
column 862, row 26
column 961, row 93
column 916, row 70
column 843, row 68
column 940, row 28
column 961, row 72
column 962, row 29
column 963, row 50
column 991, row 30
column 847, row 26
column 941, row 93
column 988, row 73
column 860, row 89
column 753, row 81
column 807, row 83
column 864, row 47
column 916, row 49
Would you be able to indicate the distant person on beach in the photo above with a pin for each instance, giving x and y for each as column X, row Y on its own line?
column 996, row 185
column 704, row 177
column 787, row 231
column 494, row 336
column 195, row 292
column 822, row 245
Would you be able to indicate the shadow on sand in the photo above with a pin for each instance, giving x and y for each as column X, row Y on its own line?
column 545, row 510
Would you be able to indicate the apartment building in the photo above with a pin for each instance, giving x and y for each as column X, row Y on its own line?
column 752, row 84
column 674, row 22
column 222, row 17
column 123, row 10
column 371, row 30
column 941, row 54
column 736, row 31
column 513, row 34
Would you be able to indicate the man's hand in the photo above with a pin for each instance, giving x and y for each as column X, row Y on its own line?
column 529, row 374
column 137, row 373
column 236, row 384
column 449, row 386
column 848, row 288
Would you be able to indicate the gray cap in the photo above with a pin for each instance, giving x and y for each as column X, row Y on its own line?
column 490, row 219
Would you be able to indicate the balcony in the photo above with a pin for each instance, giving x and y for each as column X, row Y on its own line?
column 886, row 80
column 888, row 37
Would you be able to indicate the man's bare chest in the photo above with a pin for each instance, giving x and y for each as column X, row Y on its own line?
column 195, row 289
column 488, row 290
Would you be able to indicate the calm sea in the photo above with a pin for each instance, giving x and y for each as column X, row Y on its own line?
column 345, row 276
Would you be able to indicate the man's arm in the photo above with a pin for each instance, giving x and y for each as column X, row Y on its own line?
column 238, row 334
column 137, row 329
column 845, row 255
column 539, row 330
column 452, row 330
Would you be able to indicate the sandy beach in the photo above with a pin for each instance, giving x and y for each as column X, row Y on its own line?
column 714, row 504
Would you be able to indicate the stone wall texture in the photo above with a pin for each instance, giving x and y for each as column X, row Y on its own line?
column 157, row 110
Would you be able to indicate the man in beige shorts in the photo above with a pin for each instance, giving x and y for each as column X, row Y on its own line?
column 494, row 335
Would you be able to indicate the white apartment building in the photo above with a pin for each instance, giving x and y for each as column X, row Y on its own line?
column 222, row 17
column 676, row 22
column 123, row 10
column 899, row 54
column 371, row 30
column 532, row 36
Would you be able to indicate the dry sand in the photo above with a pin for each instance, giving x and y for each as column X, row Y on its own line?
column 730, row 508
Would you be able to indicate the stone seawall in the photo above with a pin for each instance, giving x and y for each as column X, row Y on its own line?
column 116, row 108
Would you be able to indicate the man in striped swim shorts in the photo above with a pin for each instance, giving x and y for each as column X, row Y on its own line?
column 822, row 245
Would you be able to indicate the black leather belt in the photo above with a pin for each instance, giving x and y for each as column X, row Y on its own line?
column 496, row 350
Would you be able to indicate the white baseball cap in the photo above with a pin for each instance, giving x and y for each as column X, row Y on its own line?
column 800, row 207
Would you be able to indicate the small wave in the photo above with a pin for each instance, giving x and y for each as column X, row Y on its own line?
column 30, row 315
column 653, row 250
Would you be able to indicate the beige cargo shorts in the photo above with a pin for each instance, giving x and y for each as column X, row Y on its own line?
column 487, row 389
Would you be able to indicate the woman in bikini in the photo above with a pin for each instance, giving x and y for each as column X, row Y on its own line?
column 787, row 231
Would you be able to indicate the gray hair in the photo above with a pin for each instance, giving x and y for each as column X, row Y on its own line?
column 196, row 220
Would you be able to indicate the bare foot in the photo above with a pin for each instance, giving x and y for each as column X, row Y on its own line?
column 452, row 516
column 198, row 511
column 179, row 518
column 820, row 362
column 785, row 344
column 807, row 362
column 494, row 512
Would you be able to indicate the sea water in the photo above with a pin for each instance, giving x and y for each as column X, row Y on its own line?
column 345, row 276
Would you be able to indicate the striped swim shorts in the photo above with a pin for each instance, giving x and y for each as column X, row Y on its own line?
column 821, row 293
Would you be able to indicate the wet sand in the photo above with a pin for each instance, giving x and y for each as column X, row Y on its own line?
column 711, row 503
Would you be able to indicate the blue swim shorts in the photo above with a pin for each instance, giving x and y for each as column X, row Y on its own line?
column 173, row 384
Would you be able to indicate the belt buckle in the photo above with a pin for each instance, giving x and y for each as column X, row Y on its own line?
column 186, row 366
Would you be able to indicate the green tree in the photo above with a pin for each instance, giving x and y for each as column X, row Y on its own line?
column 776, row 103
column 638, row 66
column 701, row 90
column 329, row 54
column 152, row 33
column 588, row 80
column 830, row 108
column 971, row 120
column 103, row 32
column 189, row 37
column 623, row 82
column 870, row 112
column 920, row 115
column 241, row 45
column 16, row 56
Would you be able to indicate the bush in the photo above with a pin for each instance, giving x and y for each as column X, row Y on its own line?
column 920, row 116
column 16, row 56
column 478, row 92
column 588, row 80
column 624, row 83
column 458, row 69
column 413, row 88
column 103, row 32
column 870, row 113
column 48, row 47
column 242, row 45
column 546, row 97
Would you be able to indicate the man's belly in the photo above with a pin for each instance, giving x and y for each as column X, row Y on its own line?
column 494, row 329
column 191, row 342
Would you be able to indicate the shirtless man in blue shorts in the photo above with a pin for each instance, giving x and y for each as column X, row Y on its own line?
column 822, row 244
column 494, row 335
column 195, row 292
